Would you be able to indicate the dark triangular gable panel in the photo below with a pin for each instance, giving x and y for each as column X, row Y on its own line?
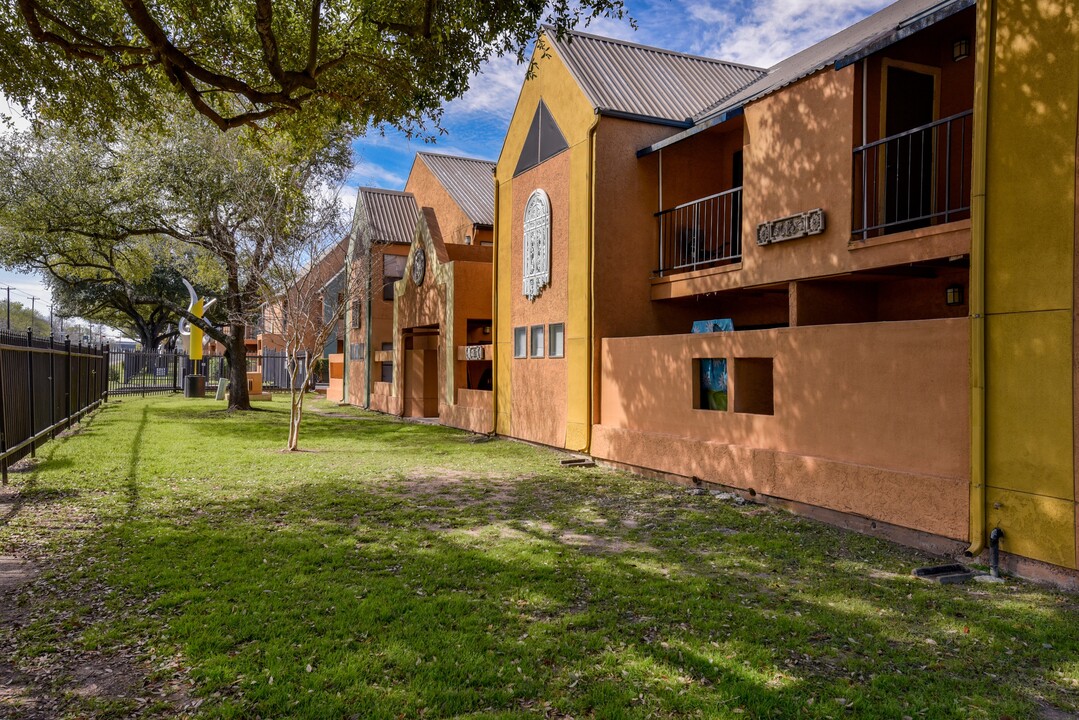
column 544, row 140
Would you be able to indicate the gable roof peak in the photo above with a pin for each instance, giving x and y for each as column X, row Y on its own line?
column 469, row 182
column 646, row 83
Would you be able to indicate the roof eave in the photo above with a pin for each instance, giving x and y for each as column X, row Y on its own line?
column 621, row 115
column 907, row 28
column 691, row 130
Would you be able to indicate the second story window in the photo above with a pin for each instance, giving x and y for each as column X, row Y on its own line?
column 393, row 269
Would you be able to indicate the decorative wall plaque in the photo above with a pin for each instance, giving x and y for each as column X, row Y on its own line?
column 473, row 352
column 419, row 265
column 536, row 255
column 791, row 228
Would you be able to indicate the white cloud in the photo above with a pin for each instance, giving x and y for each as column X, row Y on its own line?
column 368, row 174
column 23, row 287
column 709, row 13
column 617, row 29
column 773, row 30
column 493, row 91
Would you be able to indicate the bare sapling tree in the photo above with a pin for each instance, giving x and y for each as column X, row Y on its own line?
column 307, row 289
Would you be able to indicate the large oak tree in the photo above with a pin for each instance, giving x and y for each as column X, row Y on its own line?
column 105, row 213
column 333, row 63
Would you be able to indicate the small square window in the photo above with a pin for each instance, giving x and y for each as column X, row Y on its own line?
column 536, row 346
column 754, row 386
column 710, row 383
column 520, row 342
column 557, row 340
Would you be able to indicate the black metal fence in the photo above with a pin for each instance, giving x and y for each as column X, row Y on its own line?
column 273, row 366
column 133, row 372
column 45, row 386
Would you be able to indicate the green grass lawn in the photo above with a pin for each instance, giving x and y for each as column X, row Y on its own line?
column 399, row 570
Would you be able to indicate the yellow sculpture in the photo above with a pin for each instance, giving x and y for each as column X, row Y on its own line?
column 191, row 336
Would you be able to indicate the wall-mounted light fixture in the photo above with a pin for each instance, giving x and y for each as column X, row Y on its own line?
column 961, row 49
column 953, row 295
column 486, row 329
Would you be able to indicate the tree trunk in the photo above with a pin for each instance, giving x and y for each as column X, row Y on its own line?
column 239, row 399
column 296, row 394
column 148, row 338
column 294, row 417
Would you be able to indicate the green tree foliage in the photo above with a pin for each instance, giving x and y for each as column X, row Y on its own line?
column 343, row 63
column 70, row 213
column 117, row 220
column 21, row 318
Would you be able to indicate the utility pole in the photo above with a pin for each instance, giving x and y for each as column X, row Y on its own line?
column 9, row 308
column 33, row 314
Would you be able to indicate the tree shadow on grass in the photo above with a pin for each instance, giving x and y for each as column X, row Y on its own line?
column 368, row 602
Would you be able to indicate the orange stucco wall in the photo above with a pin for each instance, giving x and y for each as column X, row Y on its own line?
column 625, row 233
column 539, row 384
column 797, row 157
column 857, row 409
column 336, row 389
column 429, row 192
column 456, row 288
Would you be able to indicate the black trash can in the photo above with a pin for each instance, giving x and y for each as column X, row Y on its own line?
column 195, row 386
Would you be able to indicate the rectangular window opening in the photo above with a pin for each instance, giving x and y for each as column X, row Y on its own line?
column 536, row 334
column 710, row 384
column 520, row 342
column 754, row 386
column 556, row 340
column 393, row 269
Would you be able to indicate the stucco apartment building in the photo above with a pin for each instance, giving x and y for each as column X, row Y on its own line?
column 846, row 282
column 404, row 331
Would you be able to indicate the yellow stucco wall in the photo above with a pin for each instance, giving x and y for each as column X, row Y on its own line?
column 1033, row 93
column 573, row 113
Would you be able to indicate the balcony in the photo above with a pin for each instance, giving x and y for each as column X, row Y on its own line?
column 701, row 233
column 913, row 179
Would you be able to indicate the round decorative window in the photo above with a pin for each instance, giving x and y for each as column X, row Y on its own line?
column 419, row 265
column 536, row 255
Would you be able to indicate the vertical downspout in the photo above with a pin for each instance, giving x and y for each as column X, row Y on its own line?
column 350, row 255
column 865, row 100
column 494, row 310
column 368, row 352
column 983, row 55
column 593, row 390
column 659, row 264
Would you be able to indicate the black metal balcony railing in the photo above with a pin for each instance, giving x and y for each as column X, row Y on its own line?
column 913, row 179
column 701, row 233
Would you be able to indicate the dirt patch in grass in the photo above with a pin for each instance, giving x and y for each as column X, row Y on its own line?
column 460, row 487
column 46, row 670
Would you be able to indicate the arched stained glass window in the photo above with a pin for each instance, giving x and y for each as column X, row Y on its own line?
column 536, row 258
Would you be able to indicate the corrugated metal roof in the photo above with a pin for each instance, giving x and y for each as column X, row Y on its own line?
column 469, row 182
column 386, row 216
column 877, row 29
column 647, row 82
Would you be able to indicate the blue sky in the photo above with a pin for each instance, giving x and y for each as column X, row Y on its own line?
column 760, row 33
column 757, row 33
